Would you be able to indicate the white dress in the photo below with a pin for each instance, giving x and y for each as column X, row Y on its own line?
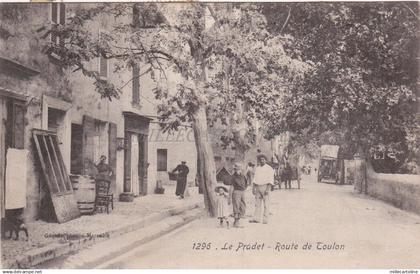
column 222, row 205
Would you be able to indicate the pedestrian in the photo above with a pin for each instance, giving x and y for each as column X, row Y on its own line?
column 181, row 180
column 104, row 170
column 288, row 175
column 237, row 194
column 222, row 197
column 249, row 173
column 262, row 183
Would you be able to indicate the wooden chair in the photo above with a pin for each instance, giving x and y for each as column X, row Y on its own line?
column 103, row 198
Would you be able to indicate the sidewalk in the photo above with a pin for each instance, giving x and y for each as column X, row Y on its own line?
column 89, row 229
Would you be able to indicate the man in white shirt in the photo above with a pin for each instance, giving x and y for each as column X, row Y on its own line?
column 262, row 183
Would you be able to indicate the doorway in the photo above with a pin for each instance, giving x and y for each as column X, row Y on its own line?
column 135, row 164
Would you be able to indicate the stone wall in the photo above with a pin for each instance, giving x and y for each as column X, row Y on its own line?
column 401, row 190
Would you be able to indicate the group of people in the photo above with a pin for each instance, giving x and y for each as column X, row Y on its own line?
column 261, row 179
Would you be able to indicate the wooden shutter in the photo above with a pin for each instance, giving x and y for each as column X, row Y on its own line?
column 54, row 14
column 76, row 152
column 162, row 160
column 127, row 162
column 112, row 153
column 144, row 163
column 15, row 137
column 62, row 14
column 54, row 19
column 62, row 21
column 88, row 147
column 56, row 177
column 136, row 84
column 3, row 119
column 103, row 67
column 19, row 125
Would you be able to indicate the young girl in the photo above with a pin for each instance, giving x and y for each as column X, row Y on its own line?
column 222, row 195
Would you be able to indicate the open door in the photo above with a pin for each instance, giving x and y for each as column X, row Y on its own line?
column 56, row 177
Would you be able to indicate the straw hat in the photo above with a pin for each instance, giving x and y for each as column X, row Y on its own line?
column 218, row 186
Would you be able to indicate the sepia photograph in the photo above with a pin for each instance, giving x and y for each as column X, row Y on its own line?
column 210, row 135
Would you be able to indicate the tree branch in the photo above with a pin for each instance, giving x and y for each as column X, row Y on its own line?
column 140, row 75
column 405, row 5
column 287, row 20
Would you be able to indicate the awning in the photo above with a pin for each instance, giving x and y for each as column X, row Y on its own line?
column 12, row 94
column 136, row 123
column 136, row 115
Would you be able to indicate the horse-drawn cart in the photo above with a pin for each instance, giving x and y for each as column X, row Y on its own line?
column 281, row 176
column 329, row 164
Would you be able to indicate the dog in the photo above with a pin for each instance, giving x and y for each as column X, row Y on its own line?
column 13, row 224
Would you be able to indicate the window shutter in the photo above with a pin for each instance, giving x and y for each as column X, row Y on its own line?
column 62, row 21
column 54, row 19
column 19, row 126
column 55, row 175
column 16, row 122
column 103, row 67
column 136, row 84
column 89, row 133
column 112, row 153
column 54, row 15
column 144, row 142
column 162, row 158
column 62, row 14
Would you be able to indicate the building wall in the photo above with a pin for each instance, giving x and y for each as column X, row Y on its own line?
column 54, row 87
column 180, row 146
column 401, row 190
column 24, row 46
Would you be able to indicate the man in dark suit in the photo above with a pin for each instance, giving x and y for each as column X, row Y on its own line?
column 181, row 181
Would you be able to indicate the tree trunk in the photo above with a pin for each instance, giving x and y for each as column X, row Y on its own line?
column 206, row 168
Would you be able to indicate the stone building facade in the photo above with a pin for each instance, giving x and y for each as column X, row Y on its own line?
column 37, row 93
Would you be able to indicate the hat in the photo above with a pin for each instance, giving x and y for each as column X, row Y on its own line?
column 221, row 186
column 238, row 165
column 261, row 156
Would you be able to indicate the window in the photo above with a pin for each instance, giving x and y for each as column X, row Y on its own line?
column 55, row 119
column 58, row 16
column 16, row 125
column 103, row 67
column 76, row 164
column 162, row 160
column 136, row 84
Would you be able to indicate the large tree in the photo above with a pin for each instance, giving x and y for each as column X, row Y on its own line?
column 226, row 58
column 361, row 92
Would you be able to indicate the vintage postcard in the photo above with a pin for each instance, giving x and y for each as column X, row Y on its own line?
column 206, row 135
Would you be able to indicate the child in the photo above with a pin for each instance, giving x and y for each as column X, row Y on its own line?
column 222, row 195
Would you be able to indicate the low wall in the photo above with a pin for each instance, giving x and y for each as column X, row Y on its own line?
column 401, row 190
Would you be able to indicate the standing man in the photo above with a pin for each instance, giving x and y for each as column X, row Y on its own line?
column 288, row 172
column 181, row 180
column 237, row 194
column 263, row 181
column 249, row 173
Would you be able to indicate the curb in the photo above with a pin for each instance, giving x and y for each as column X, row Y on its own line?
column 55, row 250
column 91, row 257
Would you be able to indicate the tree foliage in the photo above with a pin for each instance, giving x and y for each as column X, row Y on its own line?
column 362, row 88
column 203, row 44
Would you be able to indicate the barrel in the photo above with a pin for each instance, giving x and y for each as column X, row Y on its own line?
column 84, row 189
